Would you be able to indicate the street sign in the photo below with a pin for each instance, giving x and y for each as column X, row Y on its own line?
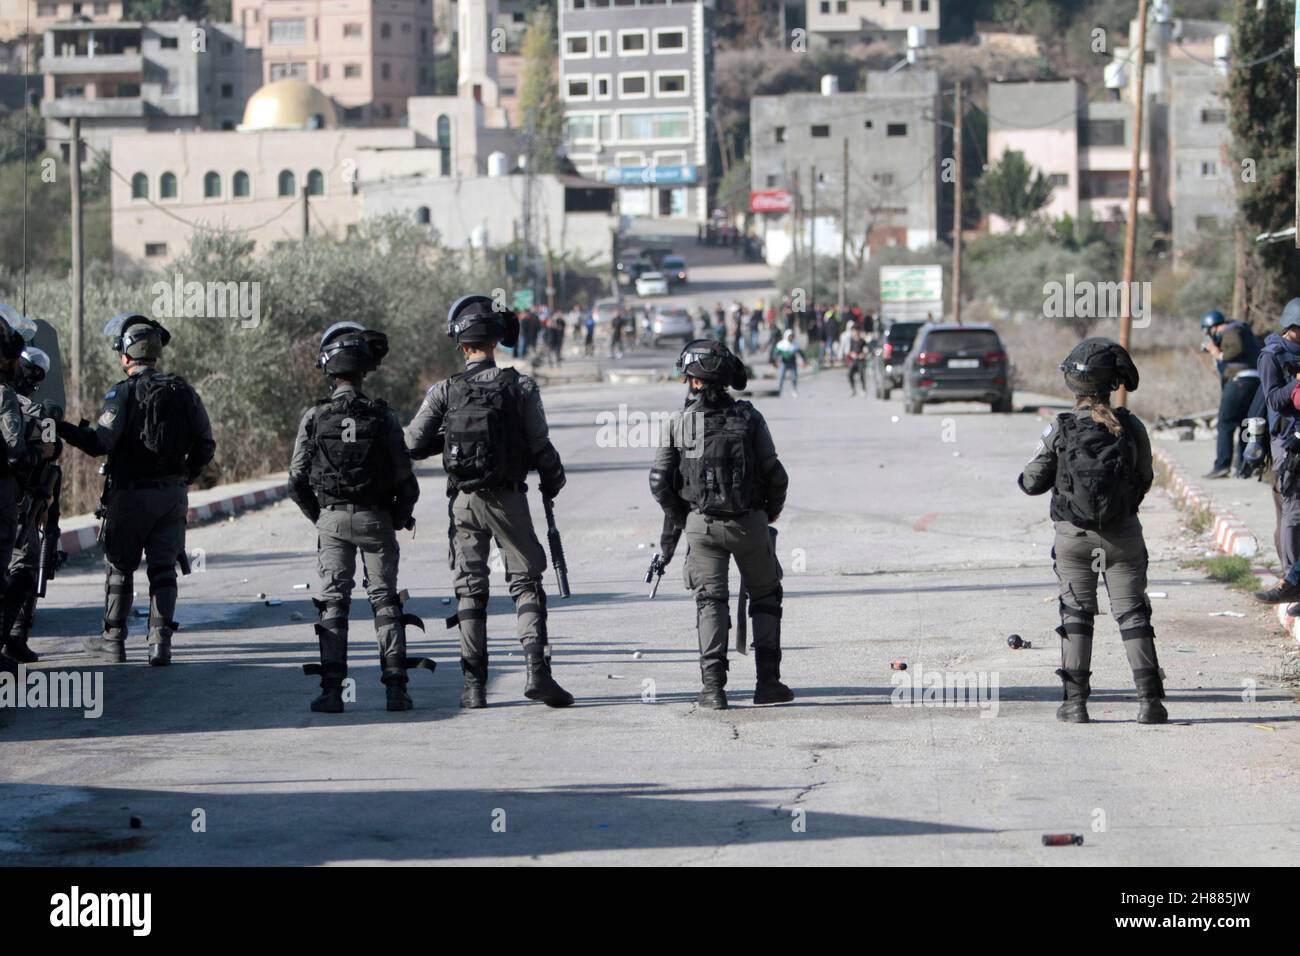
column 523, row 299
column 651, row 175
column 771, row 200
column 911, row 292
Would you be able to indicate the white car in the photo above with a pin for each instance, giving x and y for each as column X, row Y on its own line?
column 651, row 283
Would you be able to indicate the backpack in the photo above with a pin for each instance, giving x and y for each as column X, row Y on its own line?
column 1097, row 471
column 719, row 480
column 168, row 413
column 348, row 463
column 483, row 429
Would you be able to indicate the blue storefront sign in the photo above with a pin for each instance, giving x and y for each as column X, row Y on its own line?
column 652, row 175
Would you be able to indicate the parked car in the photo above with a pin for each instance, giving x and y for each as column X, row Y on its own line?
column 651, row 283
column 604, row 310
column 671, row 323
column 629, row 270
column 674, row 267
column 888, row 360
column 957, row 363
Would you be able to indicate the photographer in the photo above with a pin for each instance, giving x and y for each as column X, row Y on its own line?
column 1279, row 363
column 1235, row 351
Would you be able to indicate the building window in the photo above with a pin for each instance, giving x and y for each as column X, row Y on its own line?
column 841, row 6
column 167, row 186
column 287, row 31
column 1207, row 223
column 1059, row 180
column 227, row 91
column 1214, row 117
column 1209, row 169
column 602, row 43
column 780, row 134
column 153, row 250
column 820, row 131
column 577, row 46
column 895, row 129
column 324, row 71
column 444, row 145
column 577, row 87
column 422, row 215
column 385, row 31
column 825, row 6
column 602, row 87
column 351, row 70
column 669, row 124
column 384, row 71
column 285, row 71
column 772, row 180
column 286, row 184
column 168, row 43
column 1107, row 132
column 633, row 42
column 671, row 83
column 139, row 186
column 386, row 110
column 316, row 183
column 352, row 29
column 670, row 41
column 239, row 186
column 211, row 186
column 634, row 85
column 884, row 179
column 907, row 6
column 925, row 6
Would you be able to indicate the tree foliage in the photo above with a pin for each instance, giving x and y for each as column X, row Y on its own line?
column 539, row 94
column 1013, row 189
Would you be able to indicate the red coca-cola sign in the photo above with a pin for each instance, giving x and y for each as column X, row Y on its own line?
column 770, row 200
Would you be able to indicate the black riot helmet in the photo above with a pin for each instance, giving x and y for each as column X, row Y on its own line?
column 16, row 330
column 137, row 336
column 711, row 361
column 475, row 319
column 33, row 366
column 349, row 347
column 1098, row 366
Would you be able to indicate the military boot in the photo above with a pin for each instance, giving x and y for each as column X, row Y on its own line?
column 160, row 650
column 16, row 649
column 398, row 698
column 332, row 635
column 14, row 619
column 1075, row 689
column 769, row 689
column 713, row 678
column 329, row 700
column 474, row 694
column 541, row 685
column 110, row 650
column 1151, row 689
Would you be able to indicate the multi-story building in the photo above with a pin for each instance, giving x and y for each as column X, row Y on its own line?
column 845, row 22
column 369, row 56
column 33, row 17
column 797, row 144
column 636, row 79
column 136, row 77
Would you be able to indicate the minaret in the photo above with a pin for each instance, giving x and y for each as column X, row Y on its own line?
column 477, row 62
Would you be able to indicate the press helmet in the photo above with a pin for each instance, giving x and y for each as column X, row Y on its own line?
column 1212, row 318
column 137, row 336
column 1098, row 366
column 711, row 361
column 474, row 319
column 348, row 347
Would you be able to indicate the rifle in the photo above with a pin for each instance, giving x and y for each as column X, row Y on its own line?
column 742, row 606
column 668, row 538
column 50, row 558
column 557, row 549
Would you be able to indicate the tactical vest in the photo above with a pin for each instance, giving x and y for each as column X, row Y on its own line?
column 349, row 463
column 719, row 469
column 1096, row 471
column 484, row 445
column 161, row 427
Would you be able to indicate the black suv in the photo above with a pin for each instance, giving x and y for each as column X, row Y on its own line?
column 895, row 343
column 957, row 363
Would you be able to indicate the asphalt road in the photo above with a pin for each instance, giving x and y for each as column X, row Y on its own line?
column 905, row 538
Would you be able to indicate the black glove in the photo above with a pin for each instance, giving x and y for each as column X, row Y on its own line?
column 403, row 520
column 551, row 486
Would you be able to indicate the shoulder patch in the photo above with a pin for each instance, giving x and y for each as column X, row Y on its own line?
column 111, row 393
column 106, row 420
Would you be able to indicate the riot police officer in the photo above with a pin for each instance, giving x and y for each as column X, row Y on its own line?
column 155, row 431
column 17, row 454
column 1096, row 461
column 490, row 426
column 351, row 476
column 1236, row 352
column 719, row 480
column 39, row 486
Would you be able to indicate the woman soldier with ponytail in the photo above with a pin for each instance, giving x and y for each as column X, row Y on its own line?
column 1096, row 461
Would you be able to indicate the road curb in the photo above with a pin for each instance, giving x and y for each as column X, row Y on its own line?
column 1231, row 536
column 228, row 502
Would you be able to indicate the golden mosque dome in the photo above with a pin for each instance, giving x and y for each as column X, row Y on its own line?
column 288, row 104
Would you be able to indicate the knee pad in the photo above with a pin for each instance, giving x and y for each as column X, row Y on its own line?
column 332, row 610
column 161, row 578
column 1075, row 621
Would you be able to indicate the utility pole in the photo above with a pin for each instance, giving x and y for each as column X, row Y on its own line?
column 1134, row 181
column 797, row 215
column 530, row 129
column 306, row 215
column 78, row 277
column 812, row 243
column 844, row 234
column 956, row 207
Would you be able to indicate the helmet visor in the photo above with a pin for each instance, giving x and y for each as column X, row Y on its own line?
column 18, row 322
column 36, row 358
column 704, row 354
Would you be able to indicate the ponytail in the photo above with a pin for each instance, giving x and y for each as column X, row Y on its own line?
column 1101, row 412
